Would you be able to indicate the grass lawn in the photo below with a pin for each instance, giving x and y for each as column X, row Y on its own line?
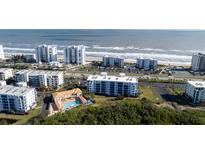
column 23, row 119
column 176, row 91
column 149, row 93
column 103, row 100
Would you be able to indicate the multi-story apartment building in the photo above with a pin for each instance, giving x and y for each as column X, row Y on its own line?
column 37, row 78
column 147, row 63
column 113, row 85
column 1, row 52
column 113, row 61
column 74, row 55
column 6, row 73
column 18, row 99
column 46, row 53
column 195, row 91
column 198, row 62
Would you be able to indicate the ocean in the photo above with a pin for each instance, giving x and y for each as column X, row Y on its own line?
column 167, row 46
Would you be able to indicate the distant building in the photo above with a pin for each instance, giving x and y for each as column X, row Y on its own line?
column 198, row 62
column 55, row 63
column 74, row 55
column 113, row 61
column 113, row 85
column 195, row 91
column 6, row 73
column 1, row 52
column 37, row 78
column 2, row 83
column 46, row 53
column 147, row 63
column 30, row 57
column 18, row 99
column 21, row 84
column 66, row 100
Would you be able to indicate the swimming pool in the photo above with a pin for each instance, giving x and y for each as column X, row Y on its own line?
column 71, row 104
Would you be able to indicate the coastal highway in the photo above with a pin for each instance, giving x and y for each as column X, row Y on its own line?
column 79, row 75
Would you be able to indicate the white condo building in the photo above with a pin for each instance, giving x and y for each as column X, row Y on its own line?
column 74, row 55
column 18, row 99
column 113, row 61
column 147, row 63
column 198, row 62
column 195, row 91
column 46, row 53
column 2, row 52
column 113, row 85
column 37, row 78
column 6, row 73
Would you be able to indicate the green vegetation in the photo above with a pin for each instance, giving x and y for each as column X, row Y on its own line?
column 7, row 121
column 21, row 119
column 149, row 93
column 126, row 112
column 163, row 81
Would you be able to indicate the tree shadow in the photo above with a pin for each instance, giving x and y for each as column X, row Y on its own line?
column 179, row 99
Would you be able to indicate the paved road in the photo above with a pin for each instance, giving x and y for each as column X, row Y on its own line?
column 161, row 85
column 86, row 74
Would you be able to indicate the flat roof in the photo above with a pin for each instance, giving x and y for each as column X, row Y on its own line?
column 39, row 72
column 13, row 90
column 199, row 84
column 5, row 69
column 119, row 78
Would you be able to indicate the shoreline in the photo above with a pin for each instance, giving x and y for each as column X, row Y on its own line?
column 93, row 58
column 90, row 58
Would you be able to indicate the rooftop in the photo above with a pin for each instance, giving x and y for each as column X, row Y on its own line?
column 39, row 72
column 5, row 69
column 67, row 96
column 12, row 90
column 199, row 84
column 120, row 78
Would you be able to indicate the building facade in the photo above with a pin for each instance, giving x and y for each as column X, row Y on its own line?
column 46, row 53
column 198, row 62
column 74, row 55
column 112, row 85
column 30, row 57
column 113, row 61
column 6, row 73
column 147, row 63
column 2, row 52
column 38, row 78
column 195, row 91
column 17, row 99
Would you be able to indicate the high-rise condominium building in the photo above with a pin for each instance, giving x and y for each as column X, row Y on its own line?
column 113, row 85
column 198, row 62
column 37, row 78
column 195, row 91
column 18, row 99
column 46, row 53
column 6, row 73
column 113, row 61
column 74, row 55
column 1, row 52
column 147, row 63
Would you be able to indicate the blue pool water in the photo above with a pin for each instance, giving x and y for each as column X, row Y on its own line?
column 71, row 104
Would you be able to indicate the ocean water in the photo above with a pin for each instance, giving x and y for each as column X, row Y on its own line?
column 167, row 46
